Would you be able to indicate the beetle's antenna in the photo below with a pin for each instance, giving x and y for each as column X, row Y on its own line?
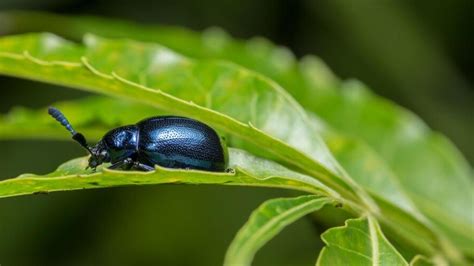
column 56, row 114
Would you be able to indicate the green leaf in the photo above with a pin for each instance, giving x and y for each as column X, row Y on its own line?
column 101, row 114
column 370, row 171
column 266, row 222
column 248, row 170
column 420, row 260
column 122, row 68
column 358, row 242
column 276, row 62
column 430, row 169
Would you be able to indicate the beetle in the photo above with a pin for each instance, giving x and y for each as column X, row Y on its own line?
column 168, row 141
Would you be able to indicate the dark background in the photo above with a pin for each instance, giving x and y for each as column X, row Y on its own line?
column 417, row 53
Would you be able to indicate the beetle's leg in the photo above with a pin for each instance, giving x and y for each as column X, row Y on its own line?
column 143, row 167
column 128, row 163
column 124, row 164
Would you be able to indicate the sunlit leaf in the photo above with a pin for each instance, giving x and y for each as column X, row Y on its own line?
column 247, row 170
column 122, row 68
column 259, row 54
column 266, row 222
column 358, row 242
column 421, row 261
column 430, row 169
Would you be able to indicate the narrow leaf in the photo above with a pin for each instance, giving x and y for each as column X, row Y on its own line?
column 247, row 170
column 420, row 260
column 266, row 222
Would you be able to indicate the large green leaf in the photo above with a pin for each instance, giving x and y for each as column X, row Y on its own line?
column 266, row 222
column 359, row 242
column 122, row 68
column 247, row 170
column 432, row 172
column 277, row 112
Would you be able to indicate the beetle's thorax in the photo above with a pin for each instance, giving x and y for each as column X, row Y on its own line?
column 117, row 145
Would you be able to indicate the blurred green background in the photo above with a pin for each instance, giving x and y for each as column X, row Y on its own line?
column 417, row 53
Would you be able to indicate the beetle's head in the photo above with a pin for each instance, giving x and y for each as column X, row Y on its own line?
column 99, row 155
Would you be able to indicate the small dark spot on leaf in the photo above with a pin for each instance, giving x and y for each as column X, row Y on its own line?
column 230, row 170
column 338, row 205
column 41, row 192
column 94, row 183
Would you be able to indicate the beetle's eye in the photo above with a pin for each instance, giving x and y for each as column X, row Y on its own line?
column 105, row 155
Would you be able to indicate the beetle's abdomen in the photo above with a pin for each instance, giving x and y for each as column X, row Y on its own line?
column 178, row 142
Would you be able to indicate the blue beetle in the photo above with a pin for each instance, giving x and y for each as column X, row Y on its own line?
column 168, row 141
